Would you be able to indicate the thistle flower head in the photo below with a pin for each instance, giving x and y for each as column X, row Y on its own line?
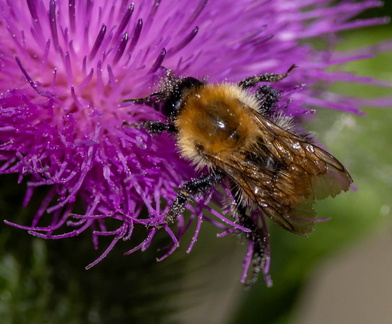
column 66, row 66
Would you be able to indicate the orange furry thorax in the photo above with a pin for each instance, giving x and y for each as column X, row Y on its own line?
column 215, row 121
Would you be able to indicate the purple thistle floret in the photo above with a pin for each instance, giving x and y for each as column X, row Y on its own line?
column 66, row 66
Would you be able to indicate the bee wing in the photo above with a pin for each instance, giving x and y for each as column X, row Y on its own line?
column 283, row 174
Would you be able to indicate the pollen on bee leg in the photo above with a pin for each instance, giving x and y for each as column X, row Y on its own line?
column 177, row 207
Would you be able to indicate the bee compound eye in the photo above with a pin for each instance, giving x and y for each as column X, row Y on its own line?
column 171, row 106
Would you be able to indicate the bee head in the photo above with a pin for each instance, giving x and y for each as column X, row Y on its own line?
column 176, row 91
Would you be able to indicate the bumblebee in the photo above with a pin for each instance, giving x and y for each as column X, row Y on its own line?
column 238, row 136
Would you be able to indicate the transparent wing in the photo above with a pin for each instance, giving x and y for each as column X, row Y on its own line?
column 283, row 174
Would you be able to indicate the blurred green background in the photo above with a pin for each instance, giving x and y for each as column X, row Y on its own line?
column 45, row 281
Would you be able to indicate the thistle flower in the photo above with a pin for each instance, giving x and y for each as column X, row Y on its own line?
column 66, row 67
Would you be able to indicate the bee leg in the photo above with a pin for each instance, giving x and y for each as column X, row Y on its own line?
column 257, row 235
column 152, row 100
column 192, row 189
column 268, row 97
column 155, row 127
column 265, row 77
